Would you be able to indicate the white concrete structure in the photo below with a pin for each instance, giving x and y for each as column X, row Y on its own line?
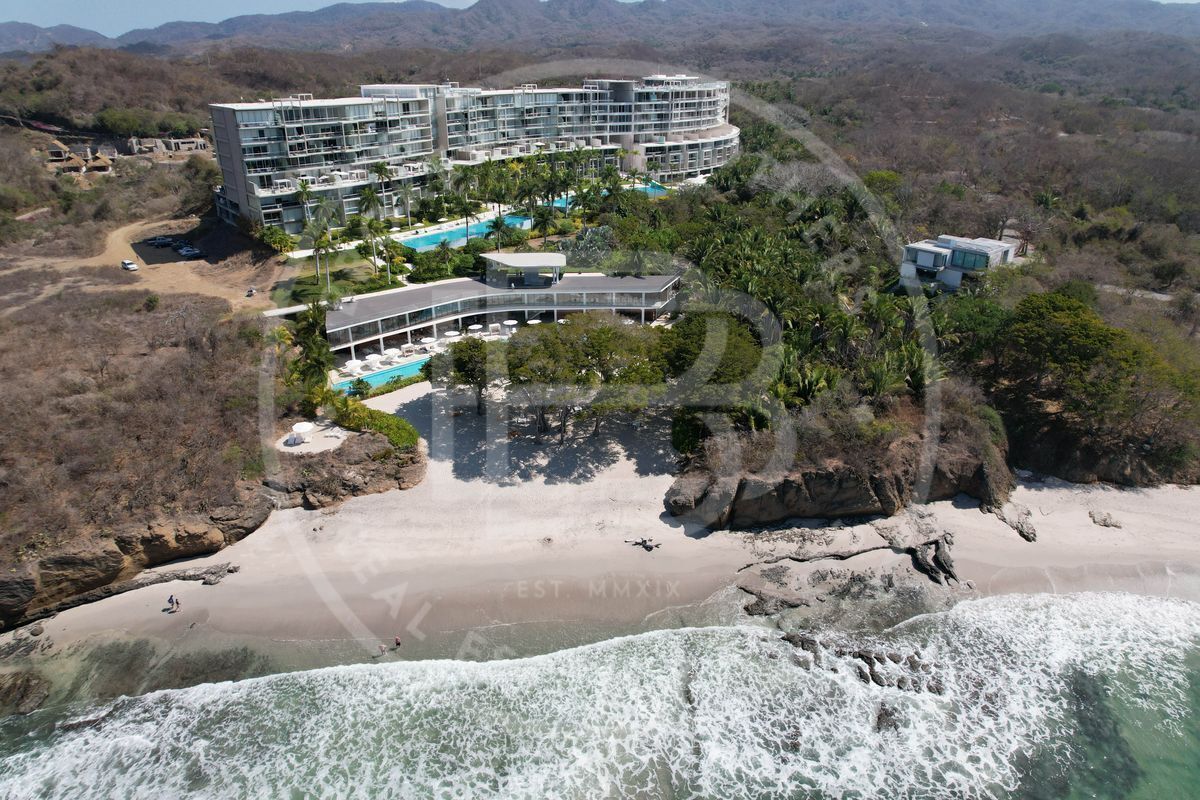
column 674, row 127
column 947, row 259
column 374, row 322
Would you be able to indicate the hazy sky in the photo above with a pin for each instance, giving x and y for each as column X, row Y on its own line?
column 113, row 17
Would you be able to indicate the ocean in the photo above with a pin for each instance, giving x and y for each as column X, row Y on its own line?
column 1037, row 697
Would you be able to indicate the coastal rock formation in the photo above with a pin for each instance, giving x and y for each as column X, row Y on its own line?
column 22, row 692
column 107, row 562
column 910, row 672
column 745, row 499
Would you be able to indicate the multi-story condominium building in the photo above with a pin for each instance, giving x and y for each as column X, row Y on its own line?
column 947, row 259
column 673, row 127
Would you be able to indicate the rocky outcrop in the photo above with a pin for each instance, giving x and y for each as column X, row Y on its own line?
column 909, row 672
column 832, row 490
column 366, row 463
column 107, row 562
column 22, row 692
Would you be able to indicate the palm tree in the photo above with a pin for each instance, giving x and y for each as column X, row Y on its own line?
column 315, row 231
column 464, row 206
column 462, row 180
column 377, row 229
column 382, row 172
column 368, row 202
column 498, row 229
column 528, row 193
column 304, row 195
column 543, row 220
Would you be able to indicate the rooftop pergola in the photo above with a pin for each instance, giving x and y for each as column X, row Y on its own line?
column 514, row 270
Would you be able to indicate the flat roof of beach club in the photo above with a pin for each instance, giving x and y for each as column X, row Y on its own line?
column 379, row 305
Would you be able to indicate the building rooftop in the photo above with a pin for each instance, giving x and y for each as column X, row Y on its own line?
column 379, row 305
column 527, row 260
column 261, row 105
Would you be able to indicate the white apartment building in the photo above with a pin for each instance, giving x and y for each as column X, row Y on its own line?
column 674, row 127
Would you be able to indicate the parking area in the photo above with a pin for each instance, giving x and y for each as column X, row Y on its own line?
column 150, row 255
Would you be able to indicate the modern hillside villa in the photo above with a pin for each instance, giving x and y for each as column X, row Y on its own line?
column 946, row 260
column 518, row 288
column 674, row 127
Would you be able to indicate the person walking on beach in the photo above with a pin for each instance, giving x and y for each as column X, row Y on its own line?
column 178, row 604
column 171, row 603
column 397, row 647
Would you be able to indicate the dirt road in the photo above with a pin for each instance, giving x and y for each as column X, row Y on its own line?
column 228, row 278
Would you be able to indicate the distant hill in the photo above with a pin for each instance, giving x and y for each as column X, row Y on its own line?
column 21, row 36
column 566, row 23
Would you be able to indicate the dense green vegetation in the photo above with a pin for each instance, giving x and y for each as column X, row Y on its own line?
column 306, row 383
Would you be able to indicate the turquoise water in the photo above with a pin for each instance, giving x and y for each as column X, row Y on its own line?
column 385, row 375
column 653, row 190
column 1043, row 698
column 456, row 237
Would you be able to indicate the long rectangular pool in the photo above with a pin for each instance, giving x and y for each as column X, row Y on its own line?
column 456, row 237
column 385, row 375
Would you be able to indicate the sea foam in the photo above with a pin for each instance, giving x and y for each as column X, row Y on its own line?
column 702, row 713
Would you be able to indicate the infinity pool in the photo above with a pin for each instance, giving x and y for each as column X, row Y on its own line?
column 455, row 235
column 385, row 375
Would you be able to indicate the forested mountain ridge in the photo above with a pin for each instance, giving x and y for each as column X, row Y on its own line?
column 581, row 22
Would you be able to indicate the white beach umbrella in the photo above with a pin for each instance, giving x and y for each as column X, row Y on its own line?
column 353, row 363
column 452, row 334
column 534, row 322
column 512, row 323
column 373, row 357
column 392, row 352
column 302, row 427
column 475, row 327
column 428, row 340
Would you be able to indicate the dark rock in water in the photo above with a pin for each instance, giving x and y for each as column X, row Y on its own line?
column 876, row 678
column 936, row 686
column 894, row 657
column 887, row 718
column 912, row 662
column 22, row 692
column 37, row 629
column 863, row 673
column 904, row 682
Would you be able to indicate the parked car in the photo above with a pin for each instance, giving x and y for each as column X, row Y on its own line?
column 129, row 266
column 180, row 245
column 191, row 253
column 160, row 241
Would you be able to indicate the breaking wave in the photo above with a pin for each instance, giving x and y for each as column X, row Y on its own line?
column 701, row 713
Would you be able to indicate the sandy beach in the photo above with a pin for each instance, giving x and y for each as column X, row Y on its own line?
column 510, row 548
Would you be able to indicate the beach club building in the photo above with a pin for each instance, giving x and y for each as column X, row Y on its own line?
column 518, row 289
column 675, row 127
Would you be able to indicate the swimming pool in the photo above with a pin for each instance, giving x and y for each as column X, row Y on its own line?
column 653, row 189
column 385, row 375
column 455, row 235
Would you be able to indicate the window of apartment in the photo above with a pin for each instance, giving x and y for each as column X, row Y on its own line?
column 966, row 260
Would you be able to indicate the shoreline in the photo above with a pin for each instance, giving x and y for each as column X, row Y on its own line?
column 477, row 566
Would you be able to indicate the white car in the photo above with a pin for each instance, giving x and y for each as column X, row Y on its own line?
column 129, row 266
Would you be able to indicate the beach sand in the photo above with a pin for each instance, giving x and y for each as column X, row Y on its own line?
column 523, row 552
